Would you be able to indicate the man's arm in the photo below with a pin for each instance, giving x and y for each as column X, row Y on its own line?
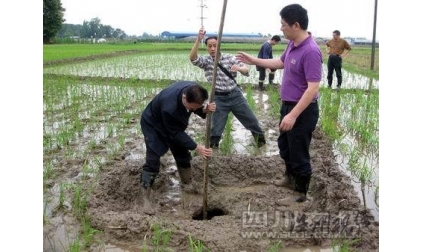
column 195, row 48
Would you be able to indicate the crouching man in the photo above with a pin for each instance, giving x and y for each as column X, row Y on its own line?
column 163, row 123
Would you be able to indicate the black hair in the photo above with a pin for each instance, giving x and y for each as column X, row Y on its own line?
column 337, row 32
column 211, row 37
column 196, row 94
column 276, row 38
column 295, row 13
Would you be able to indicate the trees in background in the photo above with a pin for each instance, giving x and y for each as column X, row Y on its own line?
column 52, row 19
column 92, row 29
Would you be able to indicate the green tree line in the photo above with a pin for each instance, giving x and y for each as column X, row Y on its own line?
column 54, row 26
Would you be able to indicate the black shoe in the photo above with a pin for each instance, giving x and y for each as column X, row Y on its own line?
column 214, row 145
column 260, row 140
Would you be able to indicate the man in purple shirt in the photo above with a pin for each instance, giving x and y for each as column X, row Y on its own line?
column 302, row 64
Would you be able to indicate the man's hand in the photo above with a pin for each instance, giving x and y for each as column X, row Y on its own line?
column 209, row 107
column 245, row 58
column 201, row 33
column 203, row 151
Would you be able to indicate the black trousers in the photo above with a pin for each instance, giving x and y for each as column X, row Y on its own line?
column 181, row 155
column 262, row 74
column 294, row 144
column 334, row 63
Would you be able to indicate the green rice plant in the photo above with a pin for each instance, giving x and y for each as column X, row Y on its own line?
column 61, row 195
column 88, row 232
column 275, row 247
column 343, row 245
column 196, row 245
column 376, row 196
column 360, row 170
column 44, row 213
column 48, row 171
column 75, row 245
column 79, row 202
column 91, row 144
column 121, row 141
column 250, row 99
column 275, row 102
column 160, row 237
column 227, row 143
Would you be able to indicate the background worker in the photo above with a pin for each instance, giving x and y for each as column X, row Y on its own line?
column 266, row 53
column 337, row 48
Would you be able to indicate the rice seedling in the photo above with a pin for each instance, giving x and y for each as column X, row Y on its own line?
column 275, row 247
column 160, row 237
column 61, row 195
column 226, row 145
column 47, row 171
column 88, row 232
column 250, row 99
column 196, row 245
column 342, row 245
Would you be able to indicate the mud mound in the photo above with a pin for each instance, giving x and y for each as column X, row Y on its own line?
column 254, row 213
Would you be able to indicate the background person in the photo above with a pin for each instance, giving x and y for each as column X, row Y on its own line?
column 228, row 95
column 301, row 61
column 337, row 48
column 163, row 123
column 266, row 53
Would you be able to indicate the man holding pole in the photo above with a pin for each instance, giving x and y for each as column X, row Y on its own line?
column 228, row 95
column 163, row 123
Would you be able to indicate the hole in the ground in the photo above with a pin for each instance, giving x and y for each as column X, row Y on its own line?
column 210, row 213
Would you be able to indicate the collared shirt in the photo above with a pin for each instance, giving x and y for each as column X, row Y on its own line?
column 302, row 64
column 223, row 82
column 338, row 46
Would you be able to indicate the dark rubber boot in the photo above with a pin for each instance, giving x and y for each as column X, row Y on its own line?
column 147, row 180
column 185, row 174
column 261, row 86
column 301, row 188
column 259, row 139
column 214, row 142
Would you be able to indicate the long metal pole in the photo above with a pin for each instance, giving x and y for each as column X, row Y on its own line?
column 208, row 117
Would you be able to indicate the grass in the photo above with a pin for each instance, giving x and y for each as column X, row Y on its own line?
column 196, row 245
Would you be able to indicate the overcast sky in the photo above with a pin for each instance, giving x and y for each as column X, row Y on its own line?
column 354, row 18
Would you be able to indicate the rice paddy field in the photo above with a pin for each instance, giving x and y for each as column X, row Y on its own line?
column 93, row 149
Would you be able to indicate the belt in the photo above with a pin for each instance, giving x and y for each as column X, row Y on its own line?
column 225, row 93
column 293, row 103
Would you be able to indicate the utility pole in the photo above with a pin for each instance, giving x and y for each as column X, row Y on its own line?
column 373, row 36
column 202, row 5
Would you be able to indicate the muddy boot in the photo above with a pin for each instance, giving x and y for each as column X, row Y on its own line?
column 259, row 139
column 147, row 180
column 261, row 86
column 185, row 174
column 185, row 177
column 147, row 207
column 214, row 142
column 271, row 78
column 287, row 181
column 301, row 188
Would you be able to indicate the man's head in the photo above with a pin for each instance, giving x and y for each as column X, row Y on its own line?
column 294, row 18
column 336, row 34
column 194, row 97
column 275, row 39
column 211, row 44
